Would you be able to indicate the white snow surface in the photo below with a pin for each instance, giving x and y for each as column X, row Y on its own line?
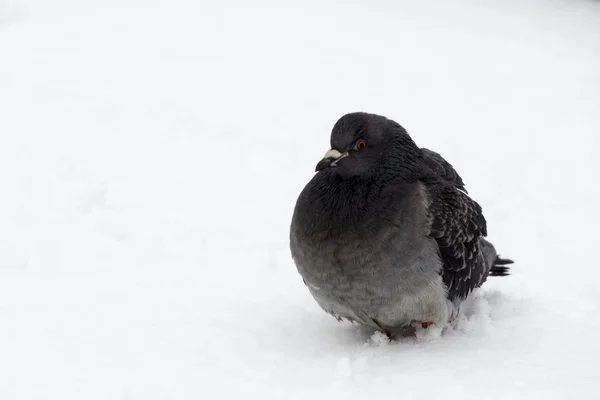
column 151, row 153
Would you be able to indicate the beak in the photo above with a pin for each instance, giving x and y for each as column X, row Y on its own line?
column 330, row 158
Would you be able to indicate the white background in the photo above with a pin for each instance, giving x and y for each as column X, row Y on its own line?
column 151, row 153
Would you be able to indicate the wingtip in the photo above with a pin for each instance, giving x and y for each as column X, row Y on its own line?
column 503, row 261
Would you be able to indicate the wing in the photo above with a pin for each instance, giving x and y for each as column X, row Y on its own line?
column 457, row 225
column 442, row 169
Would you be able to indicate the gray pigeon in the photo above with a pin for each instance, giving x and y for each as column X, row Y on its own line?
column 385, row 233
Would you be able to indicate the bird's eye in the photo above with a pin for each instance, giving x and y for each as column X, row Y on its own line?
column 361, row 144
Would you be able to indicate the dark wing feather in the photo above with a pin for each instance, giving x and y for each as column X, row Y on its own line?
column 457, row 225
column 442, row 169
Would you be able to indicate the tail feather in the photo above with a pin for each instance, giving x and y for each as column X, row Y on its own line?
column 500, row 267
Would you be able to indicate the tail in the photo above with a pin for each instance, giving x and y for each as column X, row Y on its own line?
column 499, row 268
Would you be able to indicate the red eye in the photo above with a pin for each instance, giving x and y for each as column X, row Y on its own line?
column 361, row 144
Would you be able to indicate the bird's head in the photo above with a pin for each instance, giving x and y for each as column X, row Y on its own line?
column 363, row 145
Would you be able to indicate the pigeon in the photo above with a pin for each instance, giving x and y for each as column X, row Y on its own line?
column 385, row 234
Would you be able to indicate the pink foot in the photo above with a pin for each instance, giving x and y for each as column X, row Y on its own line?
column 426, row 325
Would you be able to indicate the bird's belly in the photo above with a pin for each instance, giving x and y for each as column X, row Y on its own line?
column 385, row 304
column 376, row 273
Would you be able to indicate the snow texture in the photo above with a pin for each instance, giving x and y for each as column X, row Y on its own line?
column 151, row 154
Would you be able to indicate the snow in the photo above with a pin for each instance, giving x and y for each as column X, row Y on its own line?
column 151, row 154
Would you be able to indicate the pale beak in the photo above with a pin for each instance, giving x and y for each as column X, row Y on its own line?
column 330, row 158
